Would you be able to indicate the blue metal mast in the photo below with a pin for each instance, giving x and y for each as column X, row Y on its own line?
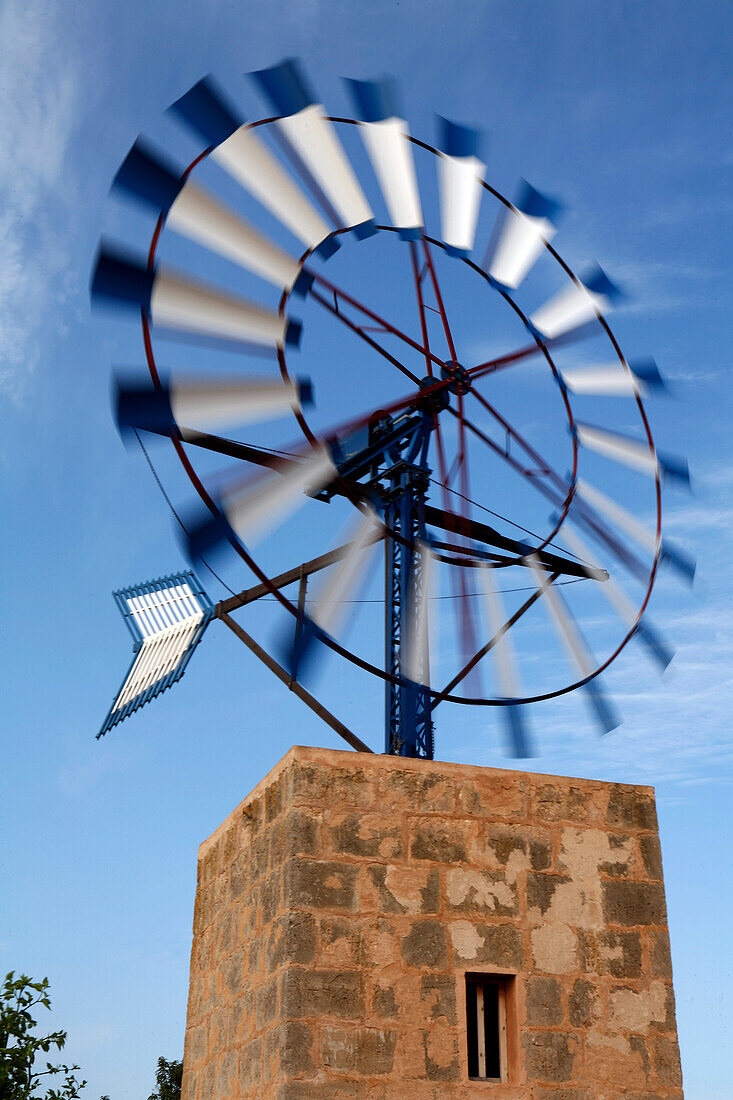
column 408, row 724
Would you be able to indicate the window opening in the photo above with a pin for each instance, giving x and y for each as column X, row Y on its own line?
column 486, row 1026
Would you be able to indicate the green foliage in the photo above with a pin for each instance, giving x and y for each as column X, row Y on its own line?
column 20, row 1049
column 169, row 1078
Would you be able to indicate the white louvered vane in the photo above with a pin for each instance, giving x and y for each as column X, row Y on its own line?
column 166, row 619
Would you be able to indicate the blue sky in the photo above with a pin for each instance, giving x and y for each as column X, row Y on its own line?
column 621, row 109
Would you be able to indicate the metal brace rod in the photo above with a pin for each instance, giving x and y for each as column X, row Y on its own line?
column 305, row 696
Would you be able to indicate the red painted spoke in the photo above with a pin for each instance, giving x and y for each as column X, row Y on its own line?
column 439, row 300
column 386, row 325
column 364, row 335
column 421, row 307
column 470, row 665
column 543, row 467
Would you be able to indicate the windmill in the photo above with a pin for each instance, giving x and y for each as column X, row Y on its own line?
column 419, row 468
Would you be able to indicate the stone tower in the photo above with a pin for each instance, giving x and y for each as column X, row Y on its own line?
column 355, row 912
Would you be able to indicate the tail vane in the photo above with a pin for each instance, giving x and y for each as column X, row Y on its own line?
column 167, row 619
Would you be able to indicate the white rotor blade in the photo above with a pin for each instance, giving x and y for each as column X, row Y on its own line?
column 574, row 644
column 505, row 661
column 177, row 302
column 520, row 236
column 460, row 185
column 274, row 497
column 566, row 628
column 149, row 177
column 636, row 454
column 503, row 650
column 245, row 157
column 613, row 379
column 345, row 577
column 416, row 647
column 197, row 215
column 211, row 402
column 249, row 161
column 620, row 602
column 616, row 514
column 314, row 140
column 574, row 306
column 389, row 150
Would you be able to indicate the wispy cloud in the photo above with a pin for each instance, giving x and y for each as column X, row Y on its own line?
column 38, row 101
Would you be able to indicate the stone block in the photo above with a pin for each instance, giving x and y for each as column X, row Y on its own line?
column 543, row 1000
column 321, row 884
column 486, row 945
column 366, row 835
column 440, row 840
column 615, row 953
column 631, row 807
column 634, row 903
column 666, row 1058
column 315, row 993
column 549, row 1055
column 426, row 945
column 584, row 1007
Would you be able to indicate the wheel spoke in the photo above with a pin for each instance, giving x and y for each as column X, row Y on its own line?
column 490, row 644
column 387, row 325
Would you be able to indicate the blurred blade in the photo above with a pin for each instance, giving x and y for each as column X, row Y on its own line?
column 634, row 453
column 195, row 213
column 618, row 515
column 264, row 504
column 330, row 605
column 312, row 138
column 247, row 159
column 206, row 402
column 346, row 577
column 612, row 380
column 460, row 183
column 576, row 304
column 620, row 602
column 416, row 645
column 520, row 236
column 575, row 646
column 174, row 301
column 385, row 137
column 506, row 667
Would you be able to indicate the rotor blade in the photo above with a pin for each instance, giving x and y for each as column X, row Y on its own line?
column 246, row 158
column 195, row 213
column 173, row 301
column 416, row 644
column 622, row 605
column 206, row 402
column 506, row 666
column 576, row 304
column 634, row 453
column 460, row 179
column 481, row 532
column 682, row 563
column 612, row 380
column 575, row 645
column 313, row 141
column 385, row 136
column 329, row 606
column 520, row 235
column 264, row 504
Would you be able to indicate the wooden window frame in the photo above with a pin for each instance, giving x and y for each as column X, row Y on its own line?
column 505, row 999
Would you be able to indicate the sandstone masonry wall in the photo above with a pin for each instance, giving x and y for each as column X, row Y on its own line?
column 340, row 906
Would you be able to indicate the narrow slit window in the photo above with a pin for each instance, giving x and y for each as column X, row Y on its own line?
column 486, row 1026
